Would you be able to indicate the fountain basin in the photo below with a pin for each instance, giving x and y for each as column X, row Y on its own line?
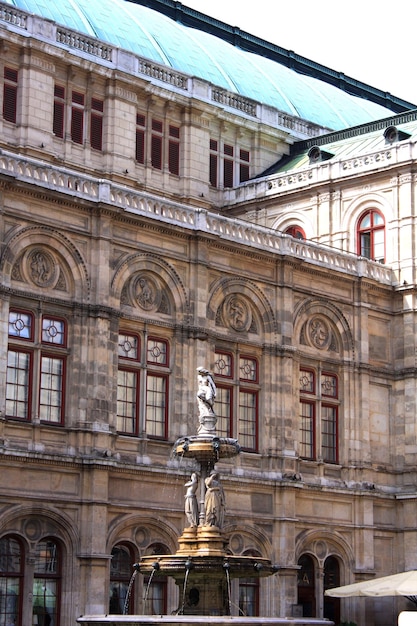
column 198, row 620
column 206, row 448
column 176, row 566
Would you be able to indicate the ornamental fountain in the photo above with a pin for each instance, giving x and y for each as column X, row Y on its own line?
column 202, row 567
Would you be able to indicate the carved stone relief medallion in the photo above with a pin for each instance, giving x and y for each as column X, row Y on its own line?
column 40, row 268
column 146, row 293
column 237, row 314
column 319, row 333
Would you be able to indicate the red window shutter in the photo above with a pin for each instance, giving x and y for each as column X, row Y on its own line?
column 174, row 150
column 10, row 103
column 10, row 95
column 96, row 132
column 77, row 123
column 59, row 111
column 174, row 157
column 140, row 138
column 77, row 117
column 243, row 172
column 140, row 146
column 156, row 152
column 228, row 173
column 228, row 150
column 213, row 170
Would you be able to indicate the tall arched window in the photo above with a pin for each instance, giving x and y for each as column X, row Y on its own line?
column 47, row 583
column 371, row 236
column 331, row 580
column 306, row 586
column 155, row 596
column 121, row 570
column 249, row 592
column 11, row 580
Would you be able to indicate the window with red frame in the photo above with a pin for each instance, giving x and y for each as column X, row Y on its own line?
column 96, row 124
column 155, row 374
column 319, row 408
column 77, row 117
column 58, row 124
column 165, row 148
column 249, row 592
column 371, row 236
column 10, row 94
column 36, row 363
column 157, row 594
column 174, row 150
column 156, row 144
column 233, row 164
column 12, row 561
column 237, row 398
column 46, row 593
column 296, row 232
column 140, row 138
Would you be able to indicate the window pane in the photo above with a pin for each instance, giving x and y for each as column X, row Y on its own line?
column 248, row 369
column 46, row 584
column 223, row 365
column 120, row 575
column 51, row 389
column 378, row 220
column 329, row 385
column 17, row 384
column 306, row 430
column 127, row 405
column 247, row 427
column 157, row 352
column 10, row 567
column 329, row 433
column 365, row 221
column 53, row 331
column 366, row 245
column 306, row 381
column 128, row 346
column 248, row 597
column 20, row 325
column 224, row 412
column 156, row 402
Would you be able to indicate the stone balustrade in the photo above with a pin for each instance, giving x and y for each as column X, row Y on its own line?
column 94, row 190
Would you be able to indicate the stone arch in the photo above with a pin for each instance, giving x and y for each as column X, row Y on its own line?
column 142, row 532
column 158, row 270
column 59, row 246
column 321, row 544
column 244, row 537
column 359, row 205
column 322, row 309
column 294, row 218
column 262, row 311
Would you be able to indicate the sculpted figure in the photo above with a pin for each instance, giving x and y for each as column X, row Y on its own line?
column 214, row 502
column 206, row 395
column 191, row 506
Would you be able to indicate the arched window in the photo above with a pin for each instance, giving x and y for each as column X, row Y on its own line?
column 306, row 586
column 155, row 597
column 296, row 232
column 371, row 236
column 331, row 580
column 121, row 570
column 47, row 583
column 249, row 592
column 11, row 580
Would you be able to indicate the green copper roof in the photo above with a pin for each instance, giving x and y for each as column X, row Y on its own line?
column 151, row 34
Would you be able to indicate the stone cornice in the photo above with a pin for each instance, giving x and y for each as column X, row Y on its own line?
column 78, row 187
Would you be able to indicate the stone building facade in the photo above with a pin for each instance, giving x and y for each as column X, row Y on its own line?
column 121, row 274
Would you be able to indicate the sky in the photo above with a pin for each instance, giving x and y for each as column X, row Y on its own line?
column 371, row 41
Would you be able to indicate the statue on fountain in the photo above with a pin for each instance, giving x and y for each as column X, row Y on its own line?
column 191, row 505
column 206, row 395
column 214, row 502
